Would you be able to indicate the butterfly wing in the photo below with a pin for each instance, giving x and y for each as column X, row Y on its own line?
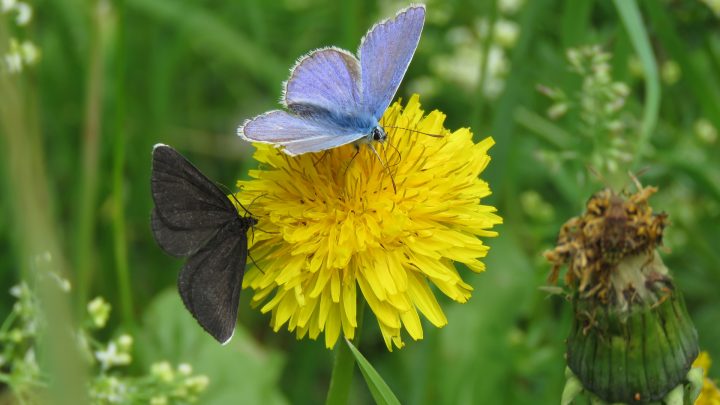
column 297, row 134
column 327, row 78
column 189, row 207
column 385, row 54
column 210, row 282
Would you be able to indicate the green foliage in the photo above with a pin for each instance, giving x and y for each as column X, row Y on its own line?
column 379, row 389
column 241, row 369
column 111, row 382
column 114, row 78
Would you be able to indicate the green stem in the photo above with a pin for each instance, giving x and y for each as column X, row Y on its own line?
column 479, row 109
column 344, row 365
column 86, row 208
column 630, row 15
column 118, row 179
column 38, row 246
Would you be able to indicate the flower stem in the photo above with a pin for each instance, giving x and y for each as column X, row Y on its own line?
column 122, row 271
column 344, row 365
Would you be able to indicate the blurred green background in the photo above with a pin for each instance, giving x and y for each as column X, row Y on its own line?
column 116, row 77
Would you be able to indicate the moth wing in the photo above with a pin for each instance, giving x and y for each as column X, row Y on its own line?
column 189, row 207
column 210, row 282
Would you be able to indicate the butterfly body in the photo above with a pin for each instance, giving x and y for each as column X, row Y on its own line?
column 193, row 218
column 343, row 121
column 334, row 98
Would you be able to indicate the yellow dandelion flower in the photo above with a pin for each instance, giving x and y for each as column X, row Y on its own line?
column 710, row 394
column 330, row 223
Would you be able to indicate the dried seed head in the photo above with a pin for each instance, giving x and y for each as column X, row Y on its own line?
column 612, row 228
column 632, row 339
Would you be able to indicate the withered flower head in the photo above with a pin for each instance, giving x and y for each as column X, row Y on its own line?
column 612, row 229
column 631, row 339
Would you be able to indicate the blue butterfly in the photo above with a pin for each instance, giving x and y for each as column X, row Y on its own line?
column 333, row 99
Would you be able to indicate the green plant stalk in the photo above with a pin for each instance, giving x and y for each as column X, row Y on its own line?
column 630, row 15
column 86, row 209
column 695, row 75
column 545, row 129
column 344, row 364
column 516, row 87
column 118, row 181
column 480, row 101
column 37, row 244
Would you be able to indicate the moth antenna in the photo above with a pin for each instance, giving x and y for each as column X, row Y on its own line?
column 392, row 179
column 227, row 190
column 253, row 202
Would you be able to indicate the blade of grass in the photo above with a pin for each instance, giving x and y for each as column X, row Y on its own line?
column 545, row 129
column 479, row 110
column 86, row 208
column 517, row 87
column 118, row 175
column 381, row 393
column 630, row 15
column 38, row 249
column 574, row 23
column 700, row 82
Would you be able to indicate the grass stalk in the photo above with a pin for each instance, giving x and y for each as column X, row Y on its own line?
column 38, row 250
column 632, row 20
column 120, row 249
column 87, row 206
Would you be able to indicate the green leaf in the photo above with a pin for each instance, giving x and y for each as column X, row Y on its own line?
column 240, row 371
column 635, row 27
column 381, row 393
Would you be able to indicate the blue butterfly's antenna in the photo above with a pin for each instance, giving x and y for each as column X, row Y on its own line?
column 396, row 151
column 416, row 131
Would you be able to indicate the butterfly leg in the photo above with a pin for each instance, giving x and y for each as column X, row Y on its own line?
column 398, row 154
column 357, row 152
column 392, row 179
column 255, row 263
column 321, row 158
